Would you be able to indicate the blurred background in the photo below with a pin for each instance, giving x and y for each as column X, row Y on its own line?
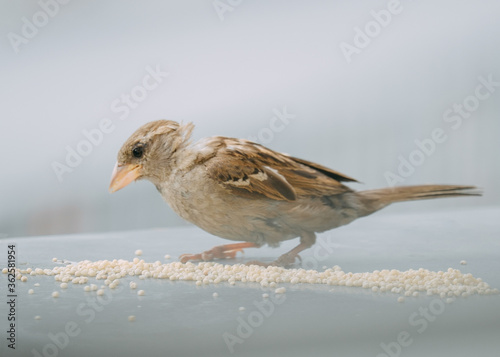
column 350, row 85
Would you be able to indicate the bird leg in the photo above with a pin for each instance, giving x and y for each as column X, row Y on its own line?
column 220, row 252
column 306, row 241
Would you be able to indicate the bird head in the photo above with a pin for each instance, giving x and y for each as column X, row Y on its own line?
column 149, row 153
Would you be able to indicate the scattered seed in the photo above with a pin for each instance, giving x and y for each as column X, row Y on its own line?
column 401, row 299
column 54, row 260
column 64, row 285
column 215, row 295
column 86, row 288
column 100, row 292
column 55, row 294
column 167, row 256
column 31, row 291
column 141, row 293
column 451, row 283
column 131, row 318
column 5, row 270
column 265, row 295
column 24, row 279
column 463, row 262
column 38, row 317
column 138, row 252
column 242, row 308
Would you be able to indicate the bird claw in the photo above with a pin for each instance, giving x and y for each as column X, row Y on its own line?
column 230, row 254
column 184, row 258
column 227, row 251
column 284, row 261
column 287, row 260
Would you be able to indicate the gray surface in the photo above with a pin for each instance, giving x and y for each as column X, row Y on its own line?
column 180, row 319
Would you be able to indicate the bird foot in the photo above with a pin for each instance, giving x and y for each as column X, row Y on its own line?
column 286, row 260
column 227, row 251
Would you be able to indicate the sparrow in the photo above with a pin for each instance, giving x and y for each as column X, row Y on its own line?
column 242, row 191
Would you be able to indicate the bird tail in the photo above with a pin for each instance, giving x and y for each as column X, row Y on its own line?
column 377, row 199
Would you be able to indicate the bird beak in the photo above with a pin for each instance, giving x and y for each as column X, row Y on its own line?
column 123, row 175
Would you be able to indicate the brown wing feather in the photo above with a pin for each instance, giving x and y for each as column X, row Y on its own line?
column 246, row 177
column 325, row 170
column 247, row 169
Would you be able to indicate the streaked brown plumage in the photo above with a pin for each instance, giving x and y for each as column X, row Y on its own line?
column 243, row 191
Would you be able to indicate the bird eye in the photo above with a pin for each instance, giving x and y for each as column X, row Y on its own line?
column 137, row 151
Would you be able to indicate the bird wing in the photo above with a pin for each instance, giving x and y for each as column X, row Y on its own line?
column 251, row 170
